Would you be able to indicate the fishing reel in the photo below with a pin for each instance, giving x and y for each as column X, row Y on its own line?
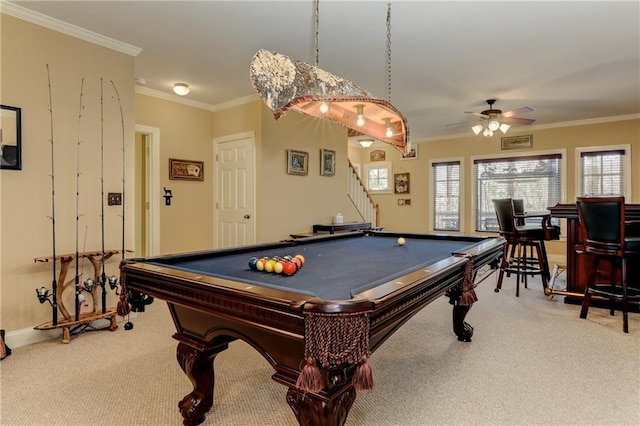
column 89, row 285
column 44, row 295
column 111, row 280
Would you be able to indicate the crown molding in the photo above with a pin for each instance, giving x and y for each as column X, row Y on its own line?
column 237, row 102
column 186, row 101
column 66, row 28
column 547, row 126
column 173, row 98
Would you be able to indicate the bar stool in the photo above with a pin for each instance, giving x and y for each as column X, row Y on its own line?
column 607, row 237
column 522, row 238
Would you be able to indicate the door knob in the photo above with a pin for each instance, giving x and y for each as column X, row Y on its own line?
column 247, row 216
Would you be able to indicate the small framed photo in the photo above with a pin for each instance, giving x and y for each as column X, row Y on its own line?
column 412, row 154
column 297, row 162
column 186, row 169
column 401, row 183
column 377, row 155
column 327, row 162
column 517, row 142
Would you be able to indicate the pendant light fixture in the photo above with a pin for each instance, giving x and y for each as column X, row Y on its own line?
column 284, row 83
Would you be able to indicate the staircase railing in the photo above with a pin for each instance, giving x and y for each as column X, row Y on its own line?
column 361, row 198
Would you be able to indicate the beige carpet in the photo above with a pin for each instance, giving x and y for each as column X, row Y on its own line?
column 532, row 362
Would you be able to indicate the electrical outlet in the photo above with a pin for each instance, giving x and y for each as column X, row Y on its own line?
column 114, row 199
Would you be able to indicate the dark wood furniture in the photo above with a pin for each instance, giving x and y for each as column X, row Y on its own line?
column 579, row 263
column 360, row 285
column 332, row 228
column 522, row 238
column 609, row 237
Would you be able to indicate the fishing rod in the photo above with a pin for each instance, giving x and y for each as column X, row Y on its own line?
column 77, row 278
column 54, row 285
column 123, row 308
column 103, row 277
column 123, row 162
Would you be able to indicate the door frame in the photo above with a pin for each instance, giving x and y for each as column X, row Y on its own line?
column 152, row 183
column 216, row 196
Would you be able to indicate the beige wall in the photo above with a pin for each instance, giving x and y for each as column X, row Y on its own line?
column 25, row 229
column 185, row 133
column 417, row 216
column 285, row 203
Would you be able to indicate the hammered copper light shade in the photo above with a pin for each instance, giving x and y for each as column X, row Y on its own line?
column 284, row 83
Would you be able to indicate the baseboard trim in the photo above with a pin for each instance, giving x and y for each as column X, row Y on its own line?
column 28, row 336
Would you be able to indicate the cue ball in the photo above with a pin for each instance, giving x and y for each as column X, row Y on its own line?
column 401, row 241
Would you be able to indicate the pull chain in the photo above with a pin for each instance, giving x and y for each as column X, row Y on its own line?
column 389, row 51
column 316, row 15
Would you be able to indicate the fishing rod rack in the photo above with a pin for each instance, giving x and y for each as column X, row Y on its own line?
column 74, row 322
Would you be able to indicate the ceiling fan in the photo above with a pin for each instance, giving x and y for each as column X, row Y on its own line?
column 495, row 119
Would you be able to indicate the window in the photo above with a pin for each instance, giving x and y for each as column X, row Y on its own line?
column 378, row 177
column 446, row 195
column 536, row 179
column 603, row 171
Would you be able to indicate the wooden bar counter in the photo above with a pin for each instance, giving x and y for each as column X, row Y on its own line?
column 579, row 264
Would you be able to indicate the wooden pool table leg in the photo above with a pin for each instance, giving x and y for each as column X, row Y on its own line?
column 463, row 330
column 198, row 366
column 314, row 410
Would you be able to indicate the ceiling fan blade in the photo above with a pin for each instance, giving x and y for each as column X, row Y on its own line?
column 517, row 120
column 477, row 113
column 460, row 123
column 522, row 110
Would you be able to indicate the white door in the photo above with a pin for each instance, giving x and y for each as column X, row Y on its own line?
column 234, row 218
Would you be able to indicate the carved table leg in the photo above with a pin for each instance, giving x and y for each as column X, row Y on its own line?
column 198, row 366
column 463, row 330
column 313, row 410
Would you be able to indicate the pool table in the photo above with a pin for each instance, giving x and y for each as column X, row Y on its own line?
column 317, row 327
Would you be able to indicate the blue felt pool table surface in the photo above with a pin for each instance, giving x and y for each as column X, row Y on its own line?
column 335, row 268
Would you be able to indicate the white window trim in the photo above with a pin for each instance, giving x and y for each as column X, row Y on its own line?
column 378, row 165
column 627, row 165
column 563, row 177
column 462, row 192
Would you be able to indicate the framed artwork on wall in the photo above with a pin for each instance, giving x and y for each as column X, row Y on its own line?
column 377, row 155
column 516, row 142
column 401, row 183
column 412, row 154
column 186, row 169
column 297, row 162
column 327, row 162
column 10, row 137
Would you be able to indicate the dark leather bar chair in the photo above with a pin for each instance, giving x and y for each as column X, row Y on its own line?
column 524, row 253
column 609, row 236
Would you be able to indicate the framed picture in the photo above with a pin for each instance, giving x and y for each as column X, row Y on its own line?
column 297, row 162
column 412, row 154
column 517, row 142
column 186, row 169
column 10, row 138
column 377, row 155
column 327, row 162
column 401, row 183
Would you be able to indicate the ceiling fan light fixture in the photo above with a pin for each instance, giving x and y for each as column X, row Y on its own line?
column 365, row 143
column 477, row 128
column 504, row 127
column 493, row 125
column 181, row 89
column 487, row 133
